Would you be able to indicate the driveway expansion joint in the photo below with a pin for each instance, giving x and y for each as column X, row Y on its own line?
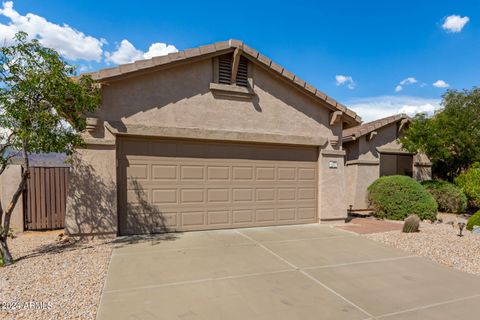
column 306, row 274
column 432, row 305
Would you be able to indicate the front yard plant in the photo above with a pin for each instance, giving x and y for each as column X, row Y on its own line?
column 42, row 109
column 449, row 198
column 473, row 221
column 411, row 224
column 469, row 183
column 396, row 197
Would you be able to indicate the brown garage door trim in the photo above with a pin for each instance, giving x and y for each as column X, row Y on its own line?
column 122, row 129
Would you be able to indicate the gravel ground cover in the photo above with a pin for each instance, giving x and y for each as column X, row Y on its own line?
column 438, row 242
column 53, row 279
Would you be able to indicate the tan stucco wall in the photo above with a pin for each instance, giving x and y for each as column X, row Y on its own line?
column 386, row 138
column 9, row 182
column 181, row 97
column 331, row 190
column 92, row 192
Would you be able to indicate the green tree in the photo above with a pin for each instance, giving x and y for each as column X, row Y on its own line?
column 451, row 137
column 42, row 107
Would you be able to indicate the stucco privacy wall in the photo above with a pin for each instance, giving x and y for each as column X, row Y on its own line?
column 9, row 182
column 180, row 97
column 92, row 192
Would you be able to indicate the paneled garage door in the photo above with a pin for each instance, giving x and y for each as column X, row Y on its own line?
column 184, row 185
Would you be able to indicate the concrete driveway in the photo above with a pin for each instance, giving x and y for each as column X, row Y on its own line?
column 292, row 272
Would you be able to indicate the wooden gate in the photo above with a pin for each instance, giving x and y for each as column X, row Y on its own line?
column 45, row 198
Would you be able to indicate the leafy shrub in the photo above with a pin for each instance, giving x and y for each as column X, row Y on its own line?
column 396, row 197
column 449, row 198
column 469, row 183
column 473, row 221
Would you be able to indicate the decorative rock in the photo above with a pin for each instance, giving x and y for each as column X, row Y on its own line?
column 476, row 230
column 70, row 278
column 438, row 243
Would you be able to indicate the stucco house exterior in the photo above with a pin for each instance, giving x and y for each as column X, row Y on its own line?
column 213, row 137
column 373, row 150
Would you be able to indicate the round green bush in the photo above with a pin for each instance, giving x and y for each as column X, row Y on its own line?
column 469, row 183
column 449, row 198
column 396, row 197
column 473, row 221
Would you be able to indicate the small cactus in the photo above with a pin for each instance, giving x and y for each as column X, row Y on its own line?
column 411, row 224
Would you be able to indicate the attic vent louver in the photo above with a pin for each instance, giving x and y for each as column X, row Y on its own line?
column 225, row 70
column 242, row 73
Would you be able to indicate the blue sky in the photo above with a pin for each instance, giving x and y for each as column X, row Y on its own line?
column 359, row 52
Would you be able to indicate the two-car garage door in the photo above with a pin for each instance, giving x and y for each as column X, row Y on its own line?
column 186, row 185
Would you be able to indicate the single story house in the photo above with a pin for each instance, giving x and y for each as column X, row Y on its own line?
column 373, row 150
column 218, row 136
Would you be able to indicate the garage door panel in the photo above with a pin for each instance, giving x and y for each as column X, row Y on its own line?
column 192, row 172
column 306, row 193
column 164, row 196
column 265, row 215
column 265, row 173
column 306, row 213
column 138, row 171
column 192, row 196
column 242, row 216
column 242, row 194
column 286, row 214
column 288, row 174
column 242, row 173
column 164, row 172
column 193, row 219
column 178, row 189
column 218, row 217
column 218, row 173
column 306, row 174
column 137, row 196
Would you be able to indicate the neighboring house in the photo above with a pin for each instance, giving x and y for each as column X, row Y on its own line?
column 373, row 150
column 213, row 137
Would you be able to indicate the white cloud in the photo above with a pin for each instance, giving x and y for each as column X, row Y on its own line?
column 455, row 23
column 440, row 84
column 404, row 82
column 373, row 108
column 70, row 43
column 159, row 49
column 345, row 80
column 126, row 52
column 409, row 80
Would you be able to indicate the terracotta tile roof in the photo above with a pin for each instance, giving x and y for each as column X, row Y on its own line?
column 363, row 129
column 218, row 48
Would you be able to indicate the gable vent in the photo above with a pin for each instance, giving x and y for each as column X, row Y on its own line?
column 242, row 73
column 225, row 70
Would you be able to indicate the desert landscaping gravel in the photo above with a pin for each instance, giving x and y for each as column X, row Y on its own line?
column 438, row 242
column 52, row 279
